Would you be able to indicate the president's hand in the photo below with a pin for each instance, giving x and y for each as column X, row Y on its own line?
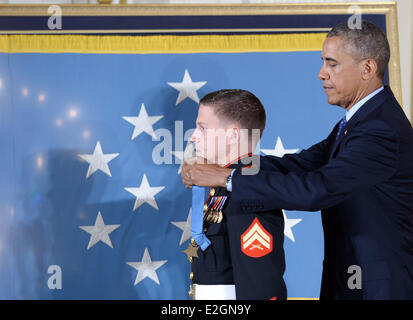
column 196, row 171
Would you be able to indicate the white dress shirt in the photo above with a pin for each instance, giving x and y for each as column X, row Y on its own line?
column 359, row 104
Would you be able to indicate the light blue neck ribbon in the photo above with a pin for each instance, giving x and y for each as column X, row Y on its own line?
column 198, row 199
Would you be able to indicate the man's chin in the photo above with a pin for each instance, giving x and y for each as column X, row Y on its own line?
column 202, row 155
column 333, row 101
column 199, row 154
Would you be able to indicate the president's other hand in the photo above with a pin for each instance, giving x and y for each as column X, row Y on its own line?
column 196, row 171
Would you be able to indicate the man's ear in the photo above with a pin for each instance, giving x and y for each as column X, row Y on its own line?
column 369, row 69
column 233, row 135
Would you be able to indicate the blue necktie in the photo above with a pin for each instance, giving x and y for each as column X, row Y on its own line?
column 341, row 126
column 198, row 199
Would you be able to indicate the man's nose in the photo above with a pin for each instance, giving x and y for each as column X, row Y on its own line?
column 194, row 136
column 323, row 75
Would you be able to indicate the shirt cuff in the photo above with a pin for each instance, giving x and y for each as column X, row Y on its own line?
column 229, row 186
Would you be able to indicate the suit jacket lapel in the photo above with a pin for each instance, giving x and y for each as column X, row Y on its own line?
column 364, row 111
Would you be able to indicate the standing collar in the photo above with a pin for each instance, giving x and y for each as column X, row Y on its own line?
column 359, row 104
column 237, row 162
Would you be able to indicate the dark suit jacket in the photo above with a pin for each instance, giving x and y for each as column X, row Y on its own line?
column 363, row 184
column 256, row 271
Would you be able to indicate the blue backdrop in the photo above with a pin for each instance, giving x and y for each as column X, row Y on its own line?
column 55, row 107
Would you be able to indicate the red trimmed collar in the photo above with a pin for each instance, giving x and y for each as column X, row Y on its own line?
column 236, row 161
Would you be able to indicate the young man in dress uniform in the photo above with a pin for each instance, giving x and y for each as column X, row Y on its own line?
column 245, row 257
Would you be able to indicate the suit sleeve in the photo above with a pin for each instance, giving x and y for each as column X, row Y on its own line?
column 367, row 157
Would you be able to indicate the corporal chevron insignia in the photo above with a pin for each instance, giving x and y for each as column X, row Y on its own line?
column 256, row 242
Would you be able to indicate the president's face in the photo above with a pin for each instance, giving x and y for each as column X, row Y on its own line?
column 341, row 73
column 210, row 136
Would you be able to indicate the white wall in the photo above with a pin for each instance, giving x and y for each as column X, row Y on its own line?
column 405, row 17
column 405, row 21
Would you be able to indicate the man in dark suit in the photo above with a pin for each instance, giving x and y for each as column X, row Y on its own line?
column 360, row 176
column 245, row 258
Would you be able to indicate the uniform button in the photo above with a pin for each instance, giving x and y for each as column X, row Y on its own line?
column 205, row 230
column 193, row 241
column 191, row 276
column 190, row 259
column 212, row 192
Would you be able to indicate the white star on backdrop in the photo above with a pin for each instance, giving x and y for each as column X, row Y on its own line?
column 146, row 268
column 145, row 193
column 278, row 150
column 143, row 123
column 99, row 232
column 183, row 155
column 185, row 226
column 98, row 160
column 288, row 224
column 187, row 88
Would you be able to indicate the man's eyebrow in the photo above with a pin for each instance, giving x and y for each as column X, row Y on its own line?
column 329, row 59
column 200, row 123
